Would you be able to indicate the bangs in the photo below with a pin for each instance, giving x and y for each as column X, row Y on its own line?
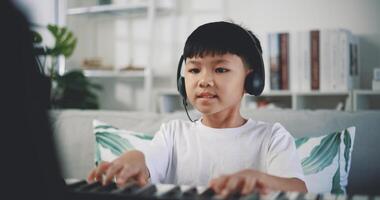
column 219, row 38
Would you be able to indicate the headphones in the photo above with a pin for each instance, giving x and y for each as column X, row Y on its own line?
column 254, row 81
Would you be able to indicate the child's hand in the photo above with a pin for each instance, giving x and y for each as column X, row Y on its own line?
column 243, row 182
column 129, row 166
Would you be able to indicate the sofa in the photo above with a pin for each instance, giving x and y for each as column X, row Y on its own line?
column 75, row 139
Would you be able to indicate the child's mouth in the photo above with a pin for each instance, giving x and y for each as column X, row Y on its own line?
column 206, row 95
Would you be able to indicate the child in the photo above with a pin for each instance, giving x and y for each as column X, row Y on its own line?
column 222, row 149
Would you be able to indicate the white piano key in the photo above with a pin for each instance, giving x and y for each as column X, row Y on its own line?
column 270, row 196
column 292, row 195
column 310, row 196
column 360, row 197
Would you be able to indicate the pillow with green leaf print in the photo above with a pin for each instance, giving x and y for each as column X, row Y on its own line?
column 326, row 160
column 111, row 142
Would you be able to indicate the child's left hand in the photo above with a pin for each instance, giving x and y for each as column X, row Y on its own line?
column 243, row 182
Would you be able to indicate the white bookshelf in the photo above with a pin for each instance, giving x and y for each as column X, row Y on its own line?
column 117, row 73
column 169, row 100
column 93, row 13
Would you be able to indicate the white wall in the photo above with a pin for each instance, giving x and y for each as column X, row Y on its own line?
column 40, row 13
column 261, row 16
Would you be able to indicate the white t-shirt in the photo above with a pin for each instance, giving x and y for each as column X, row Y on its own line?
column 187, row 153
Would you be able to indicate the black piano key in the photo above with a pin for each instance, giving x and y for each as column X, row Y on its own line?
column 129, row 188
column 208, row 193
column 301, row 196
column 89, row 187
column 234, row 196
column 174, row 192
column 107, row 188
column 76, row 184
column 252, row 196
column 190, row 193
column 148, row 190
column 281, row 196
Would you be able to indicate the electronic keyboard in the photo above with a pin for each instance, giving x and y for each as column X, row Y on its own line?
column 81, row 190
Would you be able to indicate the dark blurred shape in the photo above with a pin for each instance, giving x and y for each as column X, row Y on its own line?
column 29, row 166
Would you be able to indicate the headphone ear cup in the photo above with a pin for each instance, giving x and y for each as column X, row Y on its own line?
column 181, row 87
column 254, row 83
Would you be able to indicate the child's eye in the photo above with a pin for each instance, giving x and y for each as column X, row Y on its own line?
column 221, row 70
column 194, row 70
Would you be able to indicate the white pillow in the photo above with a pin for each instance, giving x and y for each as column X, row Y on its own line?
column 111, row 142
column 326, row 160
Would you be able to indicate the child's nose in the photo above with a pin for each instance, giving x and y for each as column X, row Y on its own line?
column 206, row 80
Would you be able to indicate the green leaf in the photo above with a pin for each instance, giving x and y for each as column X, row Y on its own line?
column 336, row 187
column 300, row 141
column 322, row 155
column 37, row 38
column 113, row 142
column 104, row 127
column 347, row 142
column 143, row 136
column 65, row 41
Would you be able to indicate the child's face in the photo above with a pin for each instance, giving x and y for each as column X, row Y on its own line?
column 215, row 83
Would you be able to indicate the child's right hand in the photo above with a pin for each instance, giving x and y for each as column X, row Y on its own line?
column 127, row 167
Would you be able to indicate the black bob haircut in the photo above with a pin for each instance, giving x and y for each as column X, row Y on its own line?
column 218, row 38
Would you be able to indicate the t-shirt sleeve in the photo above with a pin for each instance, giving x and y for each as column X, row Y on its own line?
column 158, row 155
column 282, row 157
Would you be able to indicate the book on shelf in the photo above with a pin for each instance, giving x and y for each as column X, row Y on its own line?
column 284, row 61
column 314, row 60
column 279, row 61
column 274, row 61
column 314, row 54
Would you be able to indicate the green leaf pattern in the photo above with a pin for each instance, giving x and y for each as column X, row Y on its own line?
column 301, row 141
column 115, row 143
column 322, row 155
column 347, row 143
column 108, row 137
column 336, row 187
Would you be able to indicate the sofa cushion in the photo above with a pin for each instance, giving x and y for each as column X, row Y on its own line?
column 111, row 142
column 326, row 160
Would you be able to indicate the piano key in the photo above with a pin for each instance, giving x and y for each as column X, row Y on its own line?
column 208, row 193
column 360, row 197
column 310, row 196
column 89, row 187
column 253, row 196
column 301, row 196
column 342, row 197
column 282, row 196
column 270, row 195
column 293, row 195
column 172, row 193
column 76, row 184
column 129, row 188
column 147, row 190
column 107, row 188
column 234, row 196
column 190, row 193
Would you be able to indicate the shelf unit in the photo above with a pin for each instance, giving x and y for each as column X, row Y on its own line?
column 366, row 100
column 169, row 100
column 147, row 9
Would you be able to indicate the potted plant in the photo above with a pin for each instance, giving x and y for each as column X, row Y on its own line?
column 72, row 89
